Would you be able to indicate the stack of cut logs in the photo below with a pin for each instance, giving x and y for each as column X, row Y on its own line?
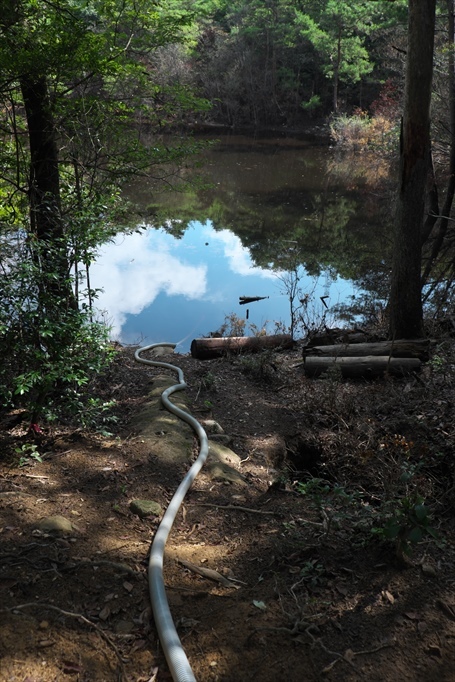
column 357, row 358
column 352, row 352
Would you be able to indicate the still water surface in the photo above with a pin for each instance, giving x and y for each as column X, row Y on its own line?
column 272, row 204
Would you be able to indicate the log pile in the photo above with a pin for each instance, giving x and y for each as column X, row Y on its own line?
column 367, row 360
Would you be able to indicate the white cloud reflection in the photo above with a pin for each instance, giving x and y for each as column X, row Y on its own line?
column 135, row 268
column 238, row 256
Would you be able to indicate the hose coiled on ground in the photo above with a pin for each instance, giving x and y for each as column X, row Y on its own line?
column 177, row 660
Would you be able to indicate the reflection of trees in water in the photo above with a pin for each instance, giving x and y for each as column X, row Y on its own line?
column 336, row 215
column 369, row 305
column 368, row 170
column 334, row 236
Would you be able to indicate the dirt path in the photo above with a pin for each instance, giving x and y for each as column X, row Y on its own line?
column 314, row 593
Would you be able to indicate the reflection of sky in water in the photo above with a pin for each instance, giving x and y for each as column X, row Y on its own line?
column 158, row 288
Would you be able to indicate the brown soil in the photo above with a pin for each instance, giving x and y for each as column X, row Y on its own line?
column 319, row 595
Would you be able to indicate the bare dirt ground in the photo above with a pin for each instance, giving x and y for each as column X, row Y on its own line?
column 318, row 594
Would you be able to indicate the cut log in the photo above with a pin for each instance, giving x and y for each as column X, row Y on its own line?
column 206, row 349
column 401, row 348
column 367, row 367
column 332, row 336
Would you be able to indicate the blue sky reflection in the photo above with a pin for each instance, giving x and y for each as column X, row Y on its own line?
column 158, row 288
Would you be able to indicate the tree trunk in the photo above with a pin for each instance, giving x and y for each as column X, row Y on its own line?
column 206, row 349
column 44, row 194
column 406, row 317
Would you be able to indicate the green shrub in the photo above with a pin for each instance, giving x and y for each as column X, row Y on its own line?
column 50, row 350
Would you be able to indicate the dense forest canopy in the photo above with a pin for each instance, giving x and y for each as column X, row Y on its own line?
column 269, row 63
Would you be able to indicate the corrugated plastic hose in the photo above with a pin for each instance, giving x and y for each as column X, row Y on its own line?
column 178, row 663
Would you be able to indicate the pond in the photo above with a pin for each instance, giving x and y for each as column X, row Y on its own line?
column 282, row 218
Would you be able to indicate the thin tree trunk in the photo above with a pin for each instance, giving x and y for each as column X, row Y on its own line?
column 406, row 317
column 444, row 220
column 336, row 74
column 433, row 204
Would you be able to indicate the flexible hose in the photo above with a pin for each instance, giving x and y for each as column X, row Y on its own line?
column 178, row 663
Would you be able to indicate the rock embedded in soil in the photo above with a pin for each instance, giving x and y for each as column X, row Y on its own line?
column 220, row 453
column 144, row 508
column 124, row 627
column 211, row 426
column 170, row 439
column 219, row 471
column 55, row 524
column 222, row 438
column 221, row 463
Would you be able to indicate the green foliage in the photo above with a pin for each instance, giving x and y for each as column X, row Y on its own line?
column 316, row 488
column 54, row 368
column 437, row 363
column 312, row 104
column 209, row 381
column 405, row 519
column 312, row 573
column 409, row 524
column 28, row 454
column 252, row 64
column 402, row 517
column 48, row 347
column 321, row 492
column 90, row 413
column 336, row 506
column 337, row 30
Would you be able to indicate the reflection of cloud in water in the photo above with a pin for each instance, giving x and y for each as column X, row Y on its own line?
column 134, row 269
column 238, row 255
